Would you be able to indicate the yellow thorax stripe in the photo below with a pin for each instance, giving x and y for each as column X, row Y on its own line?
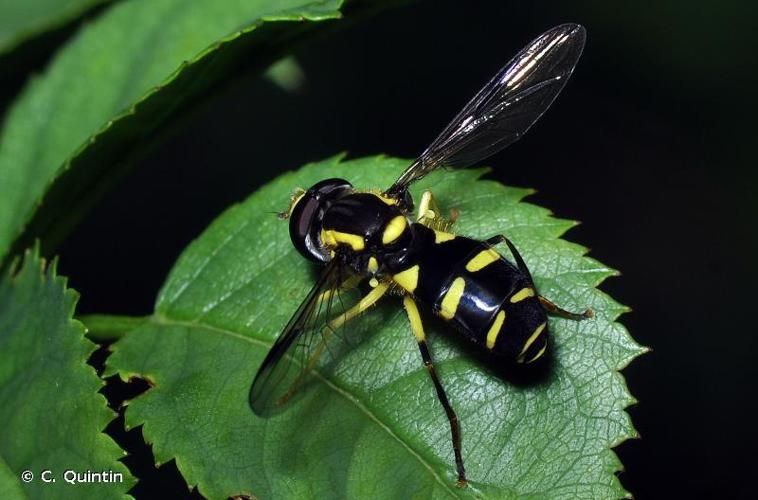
column 386, row 199
column 441, row 236
column 332, row 237
column 394, row 229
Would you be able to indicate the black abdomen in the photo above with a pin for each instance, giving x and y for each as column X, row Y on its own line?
column 482, row 294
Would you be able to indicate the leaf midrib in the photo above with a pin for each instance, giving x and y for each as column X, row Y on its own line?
column 164, row 320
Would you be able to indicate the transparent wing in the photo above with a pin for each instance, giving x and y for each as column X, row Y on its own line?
column 306, row 341
column 506, row 107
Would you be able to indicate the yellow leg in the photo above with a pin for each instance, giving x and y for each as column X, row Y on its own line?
column 366, row 302
column 369, row 300
column 417, row 327
column 418, row 331
column 347, row 285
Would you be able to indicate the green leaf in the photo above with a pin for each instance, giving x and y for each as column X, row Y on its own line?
column 22, row 20
column 51, row 413
column 375, row 427
column 10, row 486
column 74, row 130
column 107, row 327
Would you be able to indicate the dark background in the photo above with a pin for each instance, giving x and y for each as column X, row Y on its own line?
column 650, row 146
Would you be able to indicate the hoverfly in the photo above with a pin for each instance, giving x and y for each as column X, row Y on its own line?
column 370, row 235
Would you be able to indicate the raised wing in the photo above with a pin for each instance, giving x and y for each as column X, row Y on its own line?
column 306, row 341
column 506, row 107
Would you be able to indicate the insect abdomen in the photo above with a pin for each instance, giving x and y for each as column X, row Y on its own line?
column 483, row 295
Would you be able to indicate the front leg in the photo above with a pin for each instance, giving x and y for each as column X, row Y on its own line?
column 333, row 326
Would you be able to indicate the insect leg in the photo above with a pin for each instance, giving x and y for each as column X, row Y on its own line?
column 347, row 285
column 495, row 240
column 367, row 301
column 519, row 261
column 299, row 192
column 330, row 328
column 418, row 331
column 548, row 305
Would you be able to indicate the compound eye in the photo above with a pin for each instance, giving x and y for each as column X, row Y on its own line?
column 394, row 230
column 304, row 213
column 308, row 213
column 328, row 186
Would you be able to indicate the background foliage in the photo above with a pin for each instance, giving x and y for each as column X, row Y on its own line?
column 62, row 131
column 51, row 413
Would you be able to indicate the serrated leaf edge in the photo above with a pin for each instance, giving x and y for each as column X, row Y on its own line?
column 601, row 273
column 166, row 457
column 49, row 272
column 132, row 109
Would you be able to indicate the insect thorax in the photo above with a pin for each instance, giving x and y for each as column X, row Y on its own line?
column 368, row 225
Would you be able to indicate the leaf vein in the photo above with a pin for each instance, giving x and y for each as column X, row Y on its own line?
column 328, row 383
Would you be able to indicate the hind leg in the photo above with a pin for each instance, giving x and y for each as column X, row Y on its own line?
column 550, row 307
column 547, row 304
